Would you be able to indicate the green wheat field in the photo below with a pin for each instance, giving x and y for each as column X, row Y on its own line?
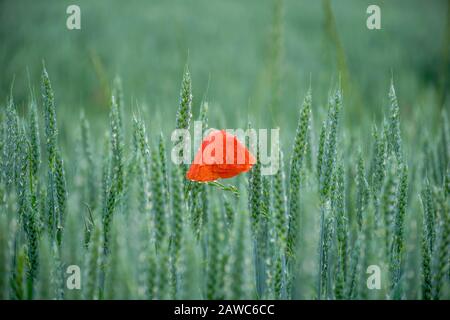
column 87, row 185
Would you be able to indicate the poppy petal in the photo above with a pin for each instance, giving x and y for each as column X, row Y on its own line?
column 221, row 155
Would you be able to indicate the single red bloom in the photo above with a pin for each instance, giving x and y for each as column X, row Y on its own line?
column 221, row 155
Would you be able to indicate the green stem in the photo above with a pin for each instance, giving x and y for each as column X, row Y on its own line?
column 221, row 186
column 319, row 278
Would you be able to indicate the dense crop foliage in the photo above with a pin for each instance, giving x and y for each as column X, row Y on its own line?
column 89, row 186
column 141, row 230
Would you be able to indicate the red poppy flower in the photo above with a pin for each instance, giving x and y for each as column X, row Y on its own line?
column 221, row 155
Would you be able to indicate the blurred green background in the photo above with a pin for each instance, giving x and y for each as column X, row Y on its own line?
column 247, row 59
